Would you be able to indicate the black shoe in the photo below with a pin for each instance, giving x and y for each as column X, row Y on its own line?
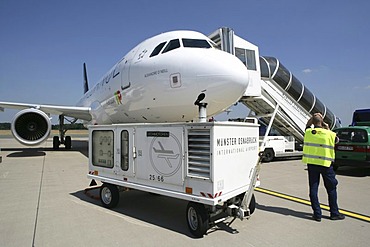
column 338, row 217
column 318, row 219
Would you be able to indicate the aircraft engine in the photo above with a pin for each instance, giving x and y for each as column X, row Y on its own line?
column 31, row 127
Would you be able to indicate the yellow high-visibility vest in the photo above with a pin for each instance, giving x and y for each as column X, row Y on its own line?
column 318, row 147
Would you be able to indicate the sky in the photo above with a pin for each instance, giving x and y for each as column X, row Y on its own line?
column 44, row 43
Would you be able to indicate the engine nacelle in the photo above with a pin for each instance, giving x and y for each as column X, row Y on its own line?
column 31, row 127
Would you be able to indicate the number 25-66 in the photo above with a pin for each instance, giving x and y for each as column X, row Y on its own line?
column 156, row 178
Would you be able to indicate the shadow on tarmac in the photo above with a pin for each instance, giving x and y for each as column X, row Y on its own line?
column 353, row 171
column 25, row 152
column 162, row 211
column 284, row 211
column 278, row 159
column 287, row 158
column 80, row 146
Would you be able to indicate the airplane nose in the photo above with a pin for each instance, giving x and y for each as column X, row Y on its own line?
column 238, row 71
column 224, row 69
column 225, row 81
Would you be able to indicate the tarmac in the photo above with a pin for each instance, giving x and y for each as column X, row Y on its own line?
column 43, row 203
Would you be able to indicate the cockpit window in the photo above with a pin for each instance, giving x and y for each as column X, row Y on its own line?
column 173, row 44
column 157, row 49
column 196, row 43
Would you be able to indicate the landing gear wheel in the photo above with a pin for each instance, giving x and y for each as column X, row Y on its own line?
column 109, row 195
column 68, row 142
column 56, row 142
column 197, row 219
column 268, row 155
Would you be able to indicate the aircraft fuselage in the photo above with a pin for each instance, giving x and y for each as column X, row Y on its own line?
column 148, row 87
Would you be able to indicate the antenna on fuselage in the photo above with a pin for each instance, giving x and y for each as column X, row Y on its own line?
column 86, row 83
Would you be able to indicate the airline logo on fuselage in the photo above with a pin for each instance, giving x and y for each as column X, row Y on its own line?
column 118, row 97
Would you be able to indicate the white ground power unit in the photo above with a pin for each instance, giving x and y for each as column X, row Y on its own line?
column 211, row 164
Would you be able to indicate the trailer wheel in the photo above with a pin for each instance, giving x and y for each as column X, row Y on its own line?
column 109, row 195
column 268, row 155
column 197, row 218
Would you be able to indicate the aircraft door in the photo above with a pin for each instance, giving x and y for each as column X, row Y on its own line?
column 125, row 74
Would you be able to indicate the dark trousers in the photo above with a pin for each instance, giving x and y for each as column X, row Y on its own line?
column 330, row 183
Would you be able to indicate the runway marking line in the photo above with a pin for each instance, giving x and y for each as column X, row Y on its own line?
column 307, row 202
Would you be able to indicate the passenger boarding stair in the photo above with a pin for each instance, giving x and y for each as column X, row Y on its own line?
column 274, row 94
column 263, row 108
column 281, row 91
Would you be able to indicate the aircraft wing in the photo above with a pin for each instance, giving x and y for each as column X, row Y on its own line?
column 83, row 113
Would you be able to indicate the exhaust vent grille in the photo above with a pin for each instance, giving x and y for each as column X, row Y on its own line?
column 199, row 153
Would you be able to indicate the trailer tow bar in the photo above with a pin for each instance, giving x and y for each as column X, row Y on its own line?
column 243, row 209
column 231, row 221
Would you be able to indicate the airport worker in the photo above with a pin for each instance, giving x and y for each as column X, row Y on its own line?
column 318, row 154
column 310, row 121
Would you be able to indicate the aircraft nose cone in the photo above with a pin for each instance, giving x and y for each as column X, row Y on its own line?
column 226, row 69
column 222, row 77
column 238, row 71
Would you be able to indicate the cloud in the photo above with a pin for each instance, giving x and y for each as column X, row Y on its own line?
column 362, row 87
column 321, row 68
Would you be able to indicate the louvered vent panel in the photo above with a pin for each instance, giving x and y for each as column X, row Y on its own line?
column 199, row 150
